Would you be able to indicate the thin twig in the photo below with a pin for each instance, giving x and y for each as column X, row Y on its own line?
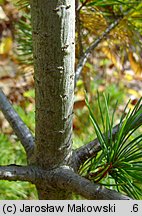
column 93, row 46
column 82, row 5
column 19, row 127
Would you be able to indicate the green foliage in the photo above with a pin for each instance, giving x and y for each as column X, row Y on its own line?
column 119, row 163
column 21, row 4
column 81, row 117
column 17, row 190
column 104, row 3
column 24, row 39
column 24, row 32
column 27, row 117
column 13, row 153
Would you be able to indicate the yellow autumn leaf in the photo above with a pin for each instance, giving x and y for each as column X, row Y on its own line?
column 112, row 56
column 134, row 93
column 5, row 45
column 122, row 33
column 136, row 64
column 94, row 22
column 129, row 77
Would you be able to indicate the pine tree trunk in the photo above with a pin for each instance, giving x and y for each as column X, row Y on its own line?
column 53, row 24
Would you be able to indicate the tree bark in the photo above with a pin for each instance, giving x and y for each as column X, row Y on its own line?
column 53, row 24
column 62, row 181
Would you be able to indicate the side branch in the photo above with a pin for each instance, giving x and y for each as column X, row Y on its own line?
column 20, row 129
column 83, row 153
column 17, row 173
column 62, row 178
column 87, row 151
column 84, row 58
column 70, row 181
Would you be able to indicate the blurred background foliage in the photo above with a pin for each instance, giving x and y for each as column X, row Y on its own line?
column 114, row 67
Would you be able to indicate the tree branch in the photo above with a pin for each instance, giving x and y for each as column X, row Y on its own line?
column 66, row 179
column 62, row 178
column 78, row 29
column 83, row 153
column 15, row 173
column 84, row 58
column 87, row 151
column 19, row 127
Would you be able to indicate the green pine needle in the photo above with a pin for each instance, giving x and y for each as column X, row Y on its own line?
column 120, row 157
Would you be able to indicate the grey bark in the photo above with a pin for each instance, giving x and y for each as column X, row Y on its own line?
column 54, row 53
column 53, row 24
column 62, row 181
column 72, row 182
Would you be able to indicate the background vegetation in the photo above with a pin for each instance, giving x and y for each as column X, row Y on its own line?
column 114, row 67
